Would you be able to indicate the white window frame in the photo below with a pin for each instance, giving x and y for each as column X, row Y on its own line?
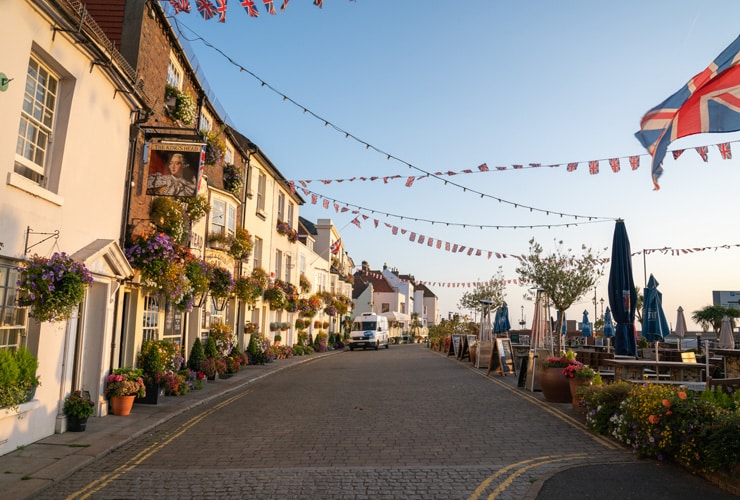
column 174, row 72
column 291, row 213
column 257, row 252
column 205, row 123
column 223, row 217
column 278, row 263
column 288, row 266
column 229, row 155
column 150, row 317
column 261, row 191
column 281, row 207
column 13, row 319
column 39, row 116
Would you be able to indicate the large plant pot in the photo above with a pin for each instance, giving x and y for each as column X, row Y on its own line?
column 121, row 405
column 574, row 384
column 152, row 395
column 555, row 386
column 75, row 424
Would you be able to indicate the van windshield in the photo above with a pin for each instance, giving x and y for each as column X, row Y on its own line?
column 364, row 325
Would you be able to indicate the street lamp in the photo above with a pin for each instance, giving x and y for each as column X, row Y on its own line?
column 602, row 306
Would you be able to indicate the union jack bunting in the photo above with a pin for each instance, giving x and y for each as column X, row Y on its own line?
column 356, row 222
column 285, row 4
column 483, row 167
column 709, row 102
column 221, row 10
column 269, row 6
column 421, row 239
column 614, row 164
column 250, row 8
column 593, row 167
column 326, row 203
column 412, row 236
column 725, row 151
column 677, row 153
column 181, row 6
column 572, row 167
column 634, row 162
column 206, row 9
column 703, row 152
column 318, row 3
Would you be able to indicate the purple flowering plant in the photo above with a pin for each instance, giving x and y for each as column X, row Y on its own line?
column 161, row 262
column 52, row 287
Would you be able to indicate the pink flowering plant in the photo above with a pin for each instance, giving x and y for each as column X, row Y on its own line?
column 579, row 370
column 125, row 381
column 52, row 287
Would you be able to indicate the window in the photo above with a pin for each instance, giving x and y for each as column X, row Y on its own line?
column 291, row 210
column 12, row 317
column 174, row 72
column 257, row 252
column 205, row 123
column 385, row 307
column 211, row 316
column 281, row 207
column 302, row 264
column 35, row 133
column 278, row 263
column 172, row 324
column 223, row 217
column 261, row 189
column 150, row 321
column 288, row 267
column 229, row 155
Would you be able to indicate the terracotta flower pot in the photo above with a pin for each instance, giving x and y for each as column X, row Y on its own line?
column 575, row 383
column 121, row 405
column 555, row 385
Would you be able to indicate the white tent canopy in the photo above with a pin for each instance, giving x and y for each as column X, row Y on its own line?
column 397, row 316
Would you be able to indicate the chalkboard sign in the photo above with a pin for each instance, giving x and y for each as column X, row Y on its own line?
column 455, row 345
column 502, row 359
column 464, row 351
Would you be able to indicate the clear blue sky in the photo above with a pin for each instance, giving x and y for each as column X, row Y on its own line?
column 450, row 85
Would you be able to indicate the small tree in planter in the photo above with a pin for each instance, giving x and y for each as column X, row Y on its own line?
column 197, row 356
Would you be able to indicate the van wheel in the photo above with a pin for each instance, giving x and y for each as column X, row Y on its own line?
column 377, row 345
column 351, row 348
column 387, row 345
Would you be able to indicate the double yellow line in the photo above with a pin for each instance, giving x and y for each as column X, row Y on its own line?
column 523, row 466
column 147, row 452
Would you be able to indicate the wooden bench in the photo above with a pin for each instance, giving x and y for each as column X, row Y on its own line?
column 726, row 385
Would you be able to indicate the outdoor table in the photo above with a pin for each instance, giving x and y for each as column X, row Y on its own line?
column 633, row 369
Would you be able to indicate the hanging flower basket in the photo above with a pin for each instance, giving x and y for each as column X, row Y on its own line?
column 233, row 179
column 222, row 283
column 161, row 263
column 183, row 107
column 52, row 287
column 215, row 148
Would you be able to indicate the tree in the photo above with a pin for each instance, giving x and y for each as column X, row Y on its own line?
column 492, row 290
column 415, row 324
column 565, row 277
column 712, row 316
column 639, row 304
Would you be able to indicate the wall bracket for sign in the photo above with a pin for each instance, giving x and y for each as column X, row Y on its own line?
column 30, row 232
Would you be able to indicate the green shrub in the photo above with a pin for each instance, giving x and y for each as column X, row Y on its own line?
column 197, row 356
column 602, row 402
column 211, row 350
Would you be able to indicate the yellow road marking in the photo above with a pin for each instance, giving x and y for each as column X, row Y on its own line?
column 498, row 473
column 501, row 487
column 130, row 465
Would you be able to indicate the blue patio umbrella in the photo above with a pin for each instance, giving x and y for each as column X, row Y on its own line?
column 503, row 319
column 654, row 323
column 586, row 325
column 497, row 322
column 608, row 324
column 564, row 329
column 622, row 294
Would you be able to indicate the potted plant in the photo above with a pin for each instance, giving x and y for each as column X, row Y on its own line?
column 160, row 261
column 578, row 375
column 219, row 240
column 78, row 407
column 52, row 287
column 122, row 387
column 152, row 363
column 215, row 148
column 233, row 179
column 241, row 245
column 27, row 366
column 277, row 338
column 197, row 356
column 555, row 386
column 180, row 104
column 221, row 284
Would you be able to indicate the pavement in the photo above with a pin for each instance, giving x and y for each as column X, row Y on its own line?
column 28, row 471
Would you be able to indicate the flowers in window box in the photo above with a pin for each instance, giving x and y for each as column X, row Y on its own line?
column 284, row 229
column 184, row 106
column 52, row 287
column 274, row 326
column 78, row 404
column 125, row 381
column 304, row 284
column 250, row 327
column 233, row 179
column 215, row 148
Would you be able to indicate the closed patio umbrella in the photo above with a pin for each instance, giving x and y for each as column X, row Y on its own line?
column 680, row 326
column 654, row 323
column 608, row 327
column 497, row 322
column 504, row 324
column 586, row 326
column 726, row 340
column 622, row 294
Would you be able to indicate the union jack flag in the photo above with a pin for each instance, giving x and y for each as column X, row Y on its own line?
column 334, row 248
column 677, row 153
column 703, row 152
column 709, row 102
column 285, row 4
column 572, row 167
column 269, row 6
column 634, row 162
column 206, row 9
column 593, row 167
column 725, row 151
column 483, row 167
column 221, row 10
column 250, row 8
column 181, row 6
column 614, row 163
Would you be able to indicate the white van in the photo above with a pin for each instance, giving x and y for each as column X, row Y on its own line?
column 369, row 330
